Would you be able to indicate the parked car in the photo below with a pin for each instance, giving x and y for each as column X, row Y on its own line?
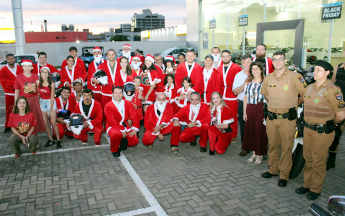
column 32, row 57
column 287, row 50
column 337, row 50
column 175, row 51
column 87, row 55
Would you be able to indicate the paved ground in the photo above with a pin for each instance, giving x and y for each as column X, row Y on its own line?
column 88, row 180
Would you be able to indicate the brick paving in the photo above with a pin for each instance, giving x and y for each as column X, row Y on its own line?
column 90, row 181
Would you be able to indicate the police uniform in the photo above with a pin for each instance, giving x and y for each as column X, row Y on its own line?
column 282, row 94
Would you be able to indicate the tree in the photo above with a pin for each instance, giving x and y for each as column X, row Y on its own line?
column 119, row 38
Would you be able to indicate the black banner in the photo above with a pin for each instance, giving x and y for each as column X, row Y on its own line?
column 331, row 11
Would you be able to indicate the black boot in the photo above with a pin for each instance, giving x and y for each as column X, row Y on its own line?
column 117, row 154
column 331, row 160
column 211, row 152
column 193, row 143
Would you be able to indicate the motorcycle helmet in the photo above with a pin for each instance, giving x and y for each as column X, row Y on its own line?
column 64, row 114
column 76, row 123
column 56, row 77
column 129, row 90
column 101, row 76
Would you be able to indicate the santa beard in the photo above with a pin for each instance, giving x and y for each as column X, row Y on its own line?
column 161, row 106
column 98, row 59
column 260, row 56
column 216, row 57
column 136, row 65
column 195, row 108
column 126, row 54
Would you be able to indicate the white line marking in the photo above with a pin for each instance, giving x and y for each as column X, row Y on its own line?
column 2, row 125
column 136, row 212
column 2, row 107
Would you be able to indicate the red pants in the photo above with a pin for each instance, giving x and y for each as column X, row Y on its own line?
column 97, row 97
column 218, row 141
column 233, row 105
column 189, row 134
column 62, row 131
column 9, row 101
column 149, row 138
column 97, row 133
column 105, row 100
column 115, row 140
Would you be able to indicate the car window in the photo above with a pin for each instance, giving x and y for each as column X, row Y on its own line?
column 18, row 58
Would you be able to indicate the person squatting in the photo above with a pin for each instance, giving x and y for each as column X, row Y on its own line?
column 119, row 95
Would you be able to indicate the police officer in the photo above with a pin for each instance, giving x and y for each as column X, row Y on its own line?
column 281, row 89
column 323, row 107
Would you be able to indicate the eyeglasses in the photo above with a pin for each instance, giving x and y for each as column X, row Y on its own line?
column 280, row 59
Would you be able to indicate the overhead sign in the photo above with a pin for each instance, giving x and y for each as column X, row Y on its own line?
column 212, row 24
column 7, row 35
column 331, row 11
column 243, row 20
column 181, row 30
column 145, row 34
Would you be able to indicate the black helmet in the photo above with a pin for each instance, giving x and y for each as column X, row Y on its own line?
column 76, row 120
column 65, row 114
column 101, row 76
column 129, row 90
column 56, row 77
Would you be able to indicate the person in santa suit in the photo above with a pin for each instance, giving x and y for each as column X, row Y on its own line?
column 125, row 74
column 94, row 84
column 188, row 68
column 227, row 72
column 157, row 123
column 217, row 57
column 142, row 57
column 78, row 63
column 265, row 61
column 110, row 67
column 170, row 63
column 8, row 76
column 150, row 78
column 219, row 132
column 159, row 63
column 197, row 117
column 184, row 93
column 136, row 65
column 71, row 72
column 118, row 112
column 92, row 112
column 42, row 62
column 170, row 91
column 208, row 81
column 126, row 52
column 138, row 97
column 64, row 103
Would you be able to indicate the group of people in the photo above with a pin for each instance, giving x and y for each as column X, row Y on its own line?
column 186, row 100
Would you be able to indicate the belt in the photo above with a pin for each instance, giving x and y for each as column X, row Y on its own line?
column 278, row 115
column 316, row 127
column 240, row 101
column 137, row 107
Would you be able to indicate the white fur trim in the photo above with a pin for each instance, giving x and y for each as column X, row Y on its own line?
column 229, row 121
column 174, row 119
column 108, row 130
column 150, row 58
column 134, row 128
column 90, row 124
column 198, row 123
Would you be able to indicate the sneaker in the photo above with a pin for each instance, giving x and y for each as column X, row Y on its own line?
column 58, row 145
column 174, row 150
column 116, row 154
column 150, row 146
column 49, row 143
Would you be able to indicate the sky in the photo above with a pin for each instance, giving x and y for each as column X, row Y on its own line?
column 98, row 16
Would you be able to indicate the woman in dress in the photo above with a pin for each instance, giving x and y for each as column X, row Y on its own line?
column 25, row 85
column 46, row 91
column 219, row 132
column 70, row 73
column 22, row 122
column 254, row 136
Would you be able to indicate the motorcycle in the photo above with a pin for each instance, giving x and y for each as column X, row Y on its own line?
column 336, row 207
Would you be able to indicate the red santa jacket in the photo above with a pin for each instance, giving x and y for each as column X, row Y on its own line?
column 121, row 79
column 79, row 64
column 70, row 106
column 107, row 89
column 269, row 66
column 226, row 80
column 206, row 89
column 185, row 115
column 152, row 119
column 160, row 73
column 170, row 92
column 183, row 70
column 96, row 88
column 70, row 77
column 224, row 117
column 116, row 118
column 8, row 77
column 182, row 103
column 95, row 116
column 142, row 59
column 36, row 68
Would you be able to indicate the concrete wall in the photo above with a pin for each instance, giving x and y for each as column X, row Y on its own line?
column 164, row 34
column 6, row 48
column 57, row 52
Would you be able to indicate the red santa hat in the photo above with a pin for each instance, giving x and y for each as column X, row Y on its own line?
column 126, row 45
column 150, row 57
column 136, row 57
column 26, row 62
column 171, row 59
column 97, row 49
column 44, row 67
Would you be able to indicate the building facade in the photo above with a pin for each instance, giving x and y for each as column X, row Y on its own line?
column 147, row 20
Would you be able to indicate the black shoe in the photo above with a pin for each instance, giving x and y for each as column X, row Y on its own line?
column 193, row 143
column 58, row 144
column 244, row 152
column 211, row 152
column 7, row 129
column 203, row 149
column 267, row 175
column 49, row 143
column 302, row 190
column 70, row 137
column 312, row 195
column 54, row 138
column 282, row 183
column 138, row 134
column 116, row 154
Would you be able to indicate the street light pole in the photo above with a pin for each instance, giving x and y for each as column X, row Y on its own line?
column 18, row 26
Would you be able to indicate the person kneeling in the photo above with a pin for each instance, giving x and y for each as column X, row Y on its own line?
column 157, row 122
column 118, row 112
column 91, row 110
column 197, row 116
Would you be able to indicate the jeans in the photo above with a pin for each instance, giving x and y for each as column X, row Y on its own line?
column 45, row 105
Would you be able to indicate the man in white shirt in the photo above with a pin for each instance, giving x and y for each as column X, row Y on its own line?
column 241, row 79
